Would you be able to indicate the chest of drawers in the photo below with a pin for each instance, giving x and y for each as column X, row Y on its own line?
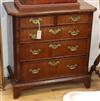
column 60, row 54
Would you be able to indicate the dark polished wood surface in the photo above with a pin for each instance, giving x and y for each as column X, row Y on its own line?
column 62, row 52
column 63, row 49
column 29, row 35
column 34, row 2
column 47, row 71
column 29, row 5
column 12, row 10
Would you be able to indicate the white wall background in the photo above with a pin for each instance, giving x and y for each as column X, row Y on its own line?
column 6, row 22
column 5, row 26
column 95, row 32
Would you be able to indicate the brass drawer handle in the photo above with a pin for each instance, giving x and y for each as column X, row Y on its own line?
column 34, row 71
column 54, row 46
column 73, row 48
column 71, row 67
column 74, row 32
column 35, row 52
column 75, row 18
column 55, row 31
column 32, row 36
column 35, row 20
column 54, row 63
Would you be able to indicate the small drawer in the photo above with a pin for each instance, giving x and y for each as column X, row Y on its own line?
column 53, row 49
column 33, row 51
column 30, row 22
column 53, row 68
column 73, row 19
column 56, row 33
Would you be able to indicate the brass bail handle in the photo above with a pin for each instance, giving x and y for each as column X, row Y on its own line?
column 71, row 67
column 35, row 20
column 73, row 48
column 74, row 32
column 35, row 70
column 54, row 63
column 55, row 31
column 35, row 52
column 55, row 46
column 75, row 18
column 32, row 36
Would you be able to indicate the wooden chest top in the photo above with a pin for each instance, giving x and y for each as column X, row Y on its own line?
column 13, row 11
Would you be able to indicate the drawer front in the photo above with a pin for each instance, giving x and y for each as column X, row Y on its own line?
column 52, row 33
column 73, row 66
column 33, row 51
column 53, row 68
column 28, row 22
column 33, row 71
column 53, row 49
column 73, row 19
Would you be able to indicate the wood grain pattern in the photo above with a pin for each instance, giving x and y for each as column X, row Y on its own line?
column 65, row 49
column 45, row 21
column 84, row 8
column 62, row 67
column 42, row 62
column 33, row 2
column 77, row 18
column 29, row 35
column 28, row 5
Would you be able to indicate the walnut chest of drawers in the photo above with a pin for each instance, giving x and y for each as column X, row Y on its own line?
column 61, row 53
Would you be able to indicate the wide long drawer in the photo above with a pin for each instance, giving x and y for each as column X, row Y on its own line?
column 54, row 33
column 53, row 68
column 53, row 49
